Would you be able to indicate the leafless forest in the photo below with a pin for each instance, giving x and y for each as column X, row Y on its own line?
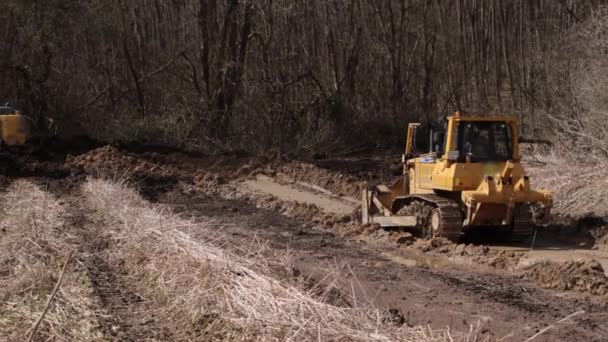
column 311, row 75
column 219, row 170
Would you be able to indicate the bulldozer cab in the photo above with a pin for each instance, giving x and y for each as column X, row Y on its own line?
column 488, row 141
column 7, row 110
column 482, row 140
column 465, row 139
column 427, row 139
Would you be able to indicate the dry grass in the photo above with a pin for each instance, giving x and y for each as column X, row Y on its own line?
column 205, row 292
column 32, row 249
column 579, row 189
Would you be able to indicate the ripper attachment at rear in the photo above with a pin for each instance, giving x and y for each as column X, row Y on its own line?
column 471, row 178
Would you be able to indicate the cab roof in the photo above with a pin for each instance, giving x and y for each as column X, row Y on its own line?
column 459, row 117
column 4, row 110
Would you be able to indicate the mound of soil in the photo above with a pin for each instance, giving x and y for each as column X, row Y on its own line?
column 580, row 275
column 112, row 161
column 376, row 170
column 505, row 260
column 479, row 254
column 338, row 183
column 151, row 178
column 445, row 246
column 416, row 208
column 439, row 245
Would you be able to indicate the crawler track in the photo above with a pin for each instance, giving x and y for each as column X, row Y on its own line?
column 121, row 311
column 449, row 214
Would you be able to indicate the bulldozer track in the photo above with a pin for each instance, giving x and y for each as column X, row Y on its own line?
column 523, row 223
column 450, row 215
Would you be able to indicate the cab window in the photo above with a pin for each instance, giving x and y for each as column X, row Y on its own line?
column 484, row 141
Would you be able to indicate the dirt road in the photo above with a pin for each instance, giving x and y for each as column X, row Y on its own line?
column 503, row 305
column 258, row 207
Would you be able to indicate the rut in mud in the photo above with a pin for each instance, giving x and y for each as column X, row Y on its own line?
column 122, row 312
column 367, row 267
column 504, row 305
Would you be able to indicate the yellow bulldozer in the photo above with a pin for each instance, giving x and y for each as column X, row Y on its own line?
column 470, row 178
column 15, row 128
column 15, row 134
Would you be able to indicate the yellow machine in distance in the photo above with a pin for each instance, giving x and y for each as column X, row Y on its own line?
column 15, row 128
column 471, row 178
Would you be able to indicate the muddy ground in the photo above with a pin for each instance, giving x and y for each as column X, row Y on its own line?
column 307, row 211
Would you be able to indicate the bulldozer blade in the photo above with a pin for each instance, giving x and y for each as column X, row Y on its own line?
column 395, row 221
column 365, row 217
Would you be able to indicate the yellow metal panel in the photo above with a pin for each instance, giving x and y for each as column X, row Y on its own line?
column 396, row 221
column 484, row 118
column 425, row 180
column 450, row 137
column 15, row 129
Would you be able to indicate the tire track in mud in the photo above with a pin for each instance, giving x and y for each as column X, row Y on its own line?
column 121, row 320
column 439, row 298
column 424, row 296
column 121, row 312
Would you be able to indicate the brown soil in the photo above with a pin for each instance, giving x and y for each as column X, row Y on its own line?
column 579, row 275
column 315, row 240
column 504, row 304
column 110, row 161
column 415, row 208
column 236, row 179
column 375, row 170
column 287, row 192
column 338, row 183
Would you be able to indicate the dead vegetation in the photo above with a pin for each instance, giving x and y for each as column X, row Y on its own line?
column 578, row 188
column 579, row 195
column 202, row 290
column 196, row 289
column 33, row 247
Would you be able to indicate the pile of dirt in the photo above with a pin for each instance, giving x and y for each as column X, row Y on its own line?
column 579, row 275
column 479, row 254
column 154, row 177
column 310, row 213
column 419, row 209
column 338, row 183
column 375, row 169
column 505, row 260
column 151, row 178
column 110, row 160
column 416, row 208
column 438, row 245
column 445, row 246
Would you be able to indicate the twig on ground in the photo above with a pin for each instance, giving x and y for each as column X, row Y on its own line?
column 555, row 325
column 36, row 325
